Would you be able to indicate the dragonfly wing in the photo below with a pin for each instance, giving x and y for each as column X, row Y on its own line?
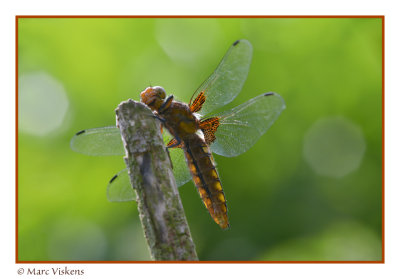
column 241, row 127
column 226, row 82
column 105, row 141
column 119, row 188
column 179, row 166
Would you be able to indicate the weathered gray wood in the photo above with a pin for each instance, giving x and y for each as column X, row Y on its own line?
column 159, row 204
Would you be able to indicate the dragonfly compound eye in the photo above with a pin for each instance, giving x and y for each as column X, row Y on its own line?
column 153, row 97
column 160, row 92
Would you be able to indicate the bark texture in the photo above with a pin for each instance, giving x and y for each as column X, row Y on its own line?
column 150, row 171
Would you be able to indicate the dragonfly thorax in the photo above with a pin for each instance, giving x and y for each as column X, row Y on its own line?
column 179, row 120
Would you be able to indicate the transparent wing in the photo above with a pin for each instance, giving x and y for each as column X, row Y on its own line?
column 179, row 166
column 105, row 141
column 119, row 188
column 241, row 127
column 225, row 83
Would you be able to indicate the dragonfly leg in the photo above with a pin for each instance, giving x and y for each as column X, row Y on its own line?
column 162, row 120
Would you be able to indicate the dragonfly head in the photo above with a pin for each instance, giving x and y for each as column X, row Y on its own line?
column 153, row 97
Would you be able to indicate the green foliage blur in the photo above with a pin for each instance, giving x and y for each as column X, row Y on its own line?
column 310, row 189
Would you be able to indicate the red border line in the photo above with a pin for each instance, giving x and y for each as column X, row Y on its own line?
column 16, row 139
column 200, row 262
column 383, row 139
column 199, row 16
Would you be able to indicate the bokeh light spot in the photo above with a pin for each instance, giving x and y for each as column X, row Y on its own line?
column 334, row 146
column 179, row 38
column 42, row 102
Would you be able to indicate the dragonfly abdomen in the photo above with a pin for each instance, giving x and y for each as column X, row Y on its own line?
column 206, row 179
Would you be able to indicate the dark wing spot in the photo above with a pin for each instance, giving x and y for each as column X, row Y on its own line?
column 236, row 42
column 80, row 132
column 269, row 94
column 113, row 178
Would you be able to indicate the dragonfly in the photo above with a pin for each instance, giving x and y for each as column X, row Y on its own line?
column 194, row 131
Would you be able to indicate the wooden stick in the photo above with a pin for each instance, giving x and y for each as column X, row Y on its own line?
column 150, row 171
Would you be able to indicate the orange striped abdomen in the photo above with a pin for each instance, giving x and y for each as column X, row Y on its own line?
column 205, row 177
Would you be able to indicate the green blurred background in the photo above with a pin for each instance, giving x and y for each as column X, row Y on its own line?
column 310, row 189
